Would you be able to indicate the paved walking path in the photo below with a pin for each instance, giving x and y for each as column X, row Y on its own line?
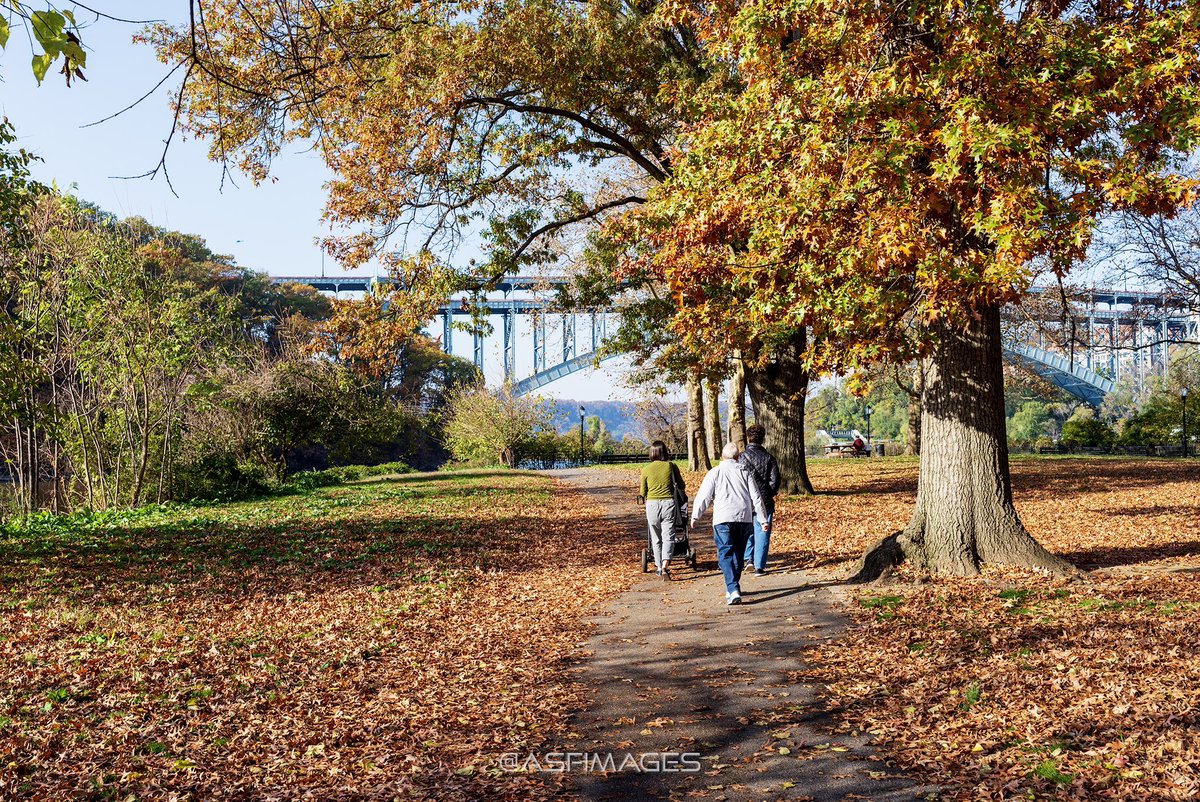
column 675, row 670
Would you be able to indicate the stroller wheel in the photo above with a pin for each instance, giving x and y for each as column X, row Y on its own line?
column 645, row 561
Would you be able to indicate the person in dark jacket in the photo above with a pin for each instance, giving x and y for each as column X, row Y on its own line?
column 766, row 471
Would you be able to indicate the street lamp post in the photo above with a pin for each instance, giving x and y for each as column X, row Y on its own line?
column 1183, row 398
column 869, row 446
column 581, row 411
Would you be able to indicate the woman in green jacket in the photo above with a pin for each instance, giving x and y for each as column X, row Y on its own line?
column 661, row 481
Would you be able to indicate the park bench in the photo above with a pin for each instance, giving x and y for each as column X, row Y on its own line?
column 1095, row 450
column 845, row 450
column 1049, row 450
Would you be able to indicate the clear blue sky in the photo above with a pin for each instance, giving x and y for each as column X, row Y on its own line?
column 272, row 227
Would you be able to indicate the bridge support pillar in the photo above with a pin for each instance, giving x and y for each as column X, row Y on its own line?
column 447, row 332
column 477, row 336
column 1164, row 353
column 539, row 342
column 568, row 325
column 1091, row 343
column 510, row 345
column 595, row 331
column 1114, row 359
column 1138, row 367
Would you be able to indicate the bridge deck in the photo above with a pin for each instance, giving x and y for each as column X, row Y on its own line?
column 1165, row 311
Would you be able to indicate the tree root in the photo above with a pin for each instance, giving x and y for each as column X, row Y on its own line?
column 880, row 559
column 907, row 545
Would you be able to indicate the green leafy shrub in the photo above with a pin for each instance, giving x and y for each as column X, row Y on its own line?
column 220, row 476
column 1087, row 432
column 309, row 480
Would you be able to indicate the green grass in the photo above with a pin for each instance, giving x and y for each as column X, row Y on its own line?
column 320, row 529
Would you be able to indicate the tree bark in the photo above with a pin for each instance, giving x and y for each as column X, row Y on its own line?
column 778, row 390
column 964, row 515
column 737, row 402
column 697, row 447
column 712, row 411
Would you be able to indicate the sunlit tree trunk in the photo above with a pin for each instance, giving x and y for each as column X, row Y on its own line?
column 697, row 447
column 779, row 389
column 737, row 401
column 712, row 412
column 964, row 515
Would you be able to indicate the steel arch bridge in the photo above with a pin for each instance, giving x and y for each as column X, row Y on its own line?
column 564, row 343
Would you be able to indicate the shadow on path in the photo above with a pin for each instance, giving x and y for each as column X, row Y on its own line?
column 671, row 669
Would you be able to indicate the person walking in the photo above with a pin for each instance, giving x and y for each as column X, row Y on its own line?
column 662, row 485
column 766, row 471
column 733, row 492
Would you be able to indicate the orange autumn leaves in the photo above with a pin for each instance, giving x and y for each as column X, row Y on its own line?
column 889, row 166
column 384, row 639
column 1017, row 684
column 393, row 637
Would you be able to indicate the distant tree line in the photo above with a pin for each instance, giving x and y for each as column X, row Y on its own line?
column 1038, row 415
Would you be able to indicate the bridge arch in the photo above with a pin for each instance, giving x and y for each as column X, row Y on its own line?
column 1075, row 378
column 1086, row 385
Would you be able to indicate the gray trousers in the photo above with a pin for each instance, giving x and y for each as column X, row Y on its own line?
column 660, row 516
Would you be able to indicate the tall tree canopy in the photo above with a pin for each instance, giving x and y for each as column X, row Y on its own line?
column 516, row 119
column 525, row 122
column 903, row 168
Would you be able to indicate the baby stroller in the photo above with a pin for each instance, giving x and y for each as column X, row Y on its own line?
column 681, row 546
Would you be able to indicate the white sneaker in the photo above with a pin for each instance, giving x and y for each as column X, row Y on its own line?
column 733, row 598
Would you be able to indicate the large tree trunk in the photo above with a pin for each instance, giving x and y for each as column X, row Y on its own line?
column 712, row 418
column 737, row 402
column 778, row 390
column 964, row 515
column 697, row 447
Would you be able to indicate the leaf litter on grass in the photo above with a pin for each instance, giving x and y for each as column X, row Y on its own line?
column 345, row 643
column 1016, row 684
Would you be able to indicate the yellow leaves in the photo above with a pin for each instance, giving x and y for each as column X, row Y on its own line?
column 924, row 179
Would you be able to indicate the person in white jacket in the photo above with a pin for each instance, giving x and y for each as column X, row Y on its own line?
column 732, row 491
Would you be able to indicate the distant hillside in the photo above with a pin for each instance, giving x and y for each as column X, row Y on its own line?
column 619, row 417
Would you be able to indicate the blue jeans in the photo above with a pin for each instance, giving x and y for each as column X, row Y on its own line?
column 758, row 545
column 731, row 541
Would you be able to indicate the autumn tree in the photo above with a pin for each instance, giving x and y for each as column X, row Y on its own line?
column 493, row 427
column 907, row 167
column 528, row 124
column 659, row 419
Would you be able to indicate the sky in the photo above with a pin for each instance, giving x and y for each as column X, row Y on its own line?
column 272, row 227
